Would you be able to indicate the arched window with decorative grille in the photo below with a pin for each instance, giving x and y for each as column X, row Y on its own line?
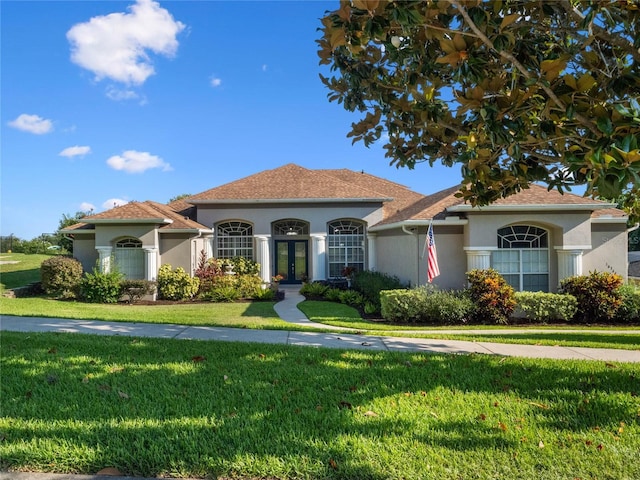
column 345, row 246
column 129, row 258
column 522, row 257
column 234, row 239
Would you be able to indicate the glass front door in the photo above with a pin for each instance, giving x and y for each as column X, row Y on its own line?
column 291, row 260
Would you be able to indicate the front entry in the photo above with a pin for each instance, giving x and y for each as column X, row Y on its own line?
column 291, row 260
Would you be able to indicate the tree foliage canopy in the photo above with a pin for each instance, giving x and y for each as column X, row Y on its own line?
column 513, row 91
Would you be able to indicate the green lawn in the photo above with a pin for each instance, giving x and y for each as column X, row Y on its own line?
column 256, row 315
column 154, row 407
column 261, row 315
column 26, row 271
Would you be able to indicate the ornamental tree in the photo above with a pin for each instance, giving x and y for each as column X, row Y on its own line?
column 512, row 91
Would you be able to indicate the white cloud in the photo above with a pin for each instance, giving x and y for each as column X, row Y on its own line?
column 113, row 202
column 75, row 151
column 117, row 45
column 216, row 82
column 87, row 207
column 137, row 162
column 119, row 94
column 32, row 124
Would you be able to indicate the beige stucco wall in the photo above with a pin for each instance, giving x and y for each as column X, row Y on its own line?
column 565, row 228
column 181, row 250
column 400, row 254
column 261, row 216
column 84, row 249
column 106, row 235
column 609, row 252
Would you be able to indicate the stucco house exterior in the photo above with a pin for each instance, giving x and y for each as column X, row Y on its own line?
column 311, row 224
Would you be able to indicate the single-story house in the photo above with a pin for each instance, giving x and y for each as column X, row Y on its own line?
column 311, row 224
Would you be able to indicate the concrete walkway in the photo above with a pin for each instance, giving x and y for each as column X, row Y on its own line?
column 338, row 338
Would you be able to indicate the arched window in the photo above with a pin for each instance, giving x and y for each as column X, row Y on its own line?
column 345, row 246
column 522, row 257
column 129, row 258
column 290, row 227
column 234, row 239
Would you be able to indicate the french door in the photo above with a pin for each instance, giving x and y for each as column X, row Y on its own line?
column 291, row 260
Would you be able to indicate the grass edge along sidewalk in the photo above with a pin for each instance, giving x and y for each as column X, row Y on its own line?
column 158, row 407
column 342, row 340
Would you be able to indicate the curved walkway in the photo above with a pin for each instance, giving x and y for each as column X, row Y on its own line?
column 339, row 338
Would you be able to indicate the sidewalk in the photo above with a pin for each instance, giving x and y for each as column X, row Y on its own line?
column 338, row 338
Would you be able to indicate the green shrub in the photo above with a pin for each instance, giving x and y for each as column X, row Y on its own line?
column 446, row 308
column 370, row 284
column 136, row 289
column 402, row 305
column 333, row 294
column 492, row 296
column 61, row 276
column 426, row 305
column 222, row 293
column 597, row 294
column 546, row 307
column 265, row 295
column 101, row 287
column 248, row 285
column 371, row 308
column 629, row 311
column 313, row 290
column 352, row 298
column 241, row 265
column 176, row 284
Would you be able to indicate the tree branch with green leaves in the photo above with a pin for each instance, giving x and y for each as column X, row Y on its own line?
column 510, row 91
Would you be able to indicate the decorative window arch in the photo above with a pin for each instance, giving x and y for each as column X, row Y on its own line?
column 522, row 257
column 234, row 239
column 345, row 246
column 129, row 258
column 290, row 227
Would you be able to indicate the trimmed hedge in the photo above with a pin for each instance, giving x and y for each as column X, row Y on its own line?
column 546, row 307
column 61, row 276
column 425, row 305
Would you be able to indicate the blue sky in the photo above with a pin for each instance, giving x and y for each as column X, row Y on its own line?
column 109, row 102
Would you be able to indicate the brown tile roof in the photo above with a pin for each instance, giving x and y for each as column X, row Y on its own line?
column 183, row 208
column 142, row 211
column 426, row 208
column 288, row 182
column 435, row 206
column 401, row 195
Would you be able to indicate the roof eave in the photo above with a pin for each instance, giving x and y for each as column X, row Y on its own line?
column 418, row 223
column 289, row 200
column 200, row 231
column 166, row 221
column 610, row 219
column 532, row 208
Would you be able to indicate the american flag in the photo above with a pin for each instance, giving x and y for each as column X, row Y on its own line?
column 432, row 260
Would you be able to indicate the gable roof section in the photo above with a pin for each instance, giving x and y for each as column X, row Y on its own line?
column 402, row 197
column 147, row 212
column 286, row 183
column 536, row 197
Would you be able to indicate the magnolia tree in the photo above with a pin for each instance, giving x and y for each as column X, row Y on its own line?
column 513, row 92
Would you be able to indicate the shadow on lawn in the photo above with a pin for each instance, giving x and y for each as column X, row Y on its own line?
column 155, row 407
column 20, row 278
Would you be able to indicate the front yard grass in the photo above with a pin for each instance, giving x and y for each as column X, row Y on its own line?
column 261, row 315
column 156, row 407
column 257, row 315
column 24, row 272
